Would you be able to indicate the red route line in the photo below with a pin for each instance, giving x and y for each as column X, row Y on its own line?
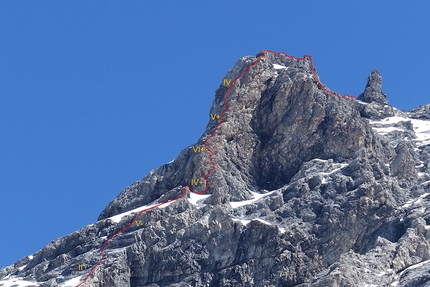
column 211, row 153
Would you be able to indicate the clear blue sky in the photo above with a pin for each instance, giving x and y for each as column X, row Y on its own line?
column 95, row 94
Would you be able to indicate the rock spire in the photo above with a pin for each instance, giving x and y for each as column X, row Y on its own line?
column 373, row 90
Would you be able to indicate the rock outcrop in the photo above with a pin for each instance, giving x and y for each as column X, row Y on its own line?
column 373, row 90
column 308, row 190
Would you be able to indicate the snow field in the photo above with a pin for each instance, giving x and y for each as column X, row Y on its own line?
column 16, row 282
column 72, row 282
column 421, row 128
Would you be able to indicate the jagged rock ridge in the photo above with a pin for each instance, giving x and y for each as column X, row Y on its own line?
column 308, row 190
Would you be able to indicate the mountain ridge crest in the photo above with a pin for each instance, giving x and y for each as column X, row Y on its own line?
column 299, row 184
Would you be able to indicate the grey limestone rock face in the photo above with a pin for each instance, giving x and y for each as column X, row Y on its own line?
column 308, row 190
column 277, row 119
column 404, row 163
column 421, row 112
column 373, row 90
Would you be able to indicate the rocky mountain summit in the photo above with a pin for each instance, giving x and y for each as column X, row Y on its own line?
column 307, row 189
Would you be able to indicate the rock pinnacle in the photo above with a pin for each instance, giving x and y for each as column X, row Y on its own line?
column 373, row 90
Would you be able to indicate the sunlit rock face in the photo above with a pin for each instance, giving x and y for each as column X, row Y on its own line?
column 373, row 90
column 307, row 189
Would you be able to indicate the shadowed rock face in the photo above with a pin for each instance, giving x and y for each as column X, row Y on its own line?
column 340, row 185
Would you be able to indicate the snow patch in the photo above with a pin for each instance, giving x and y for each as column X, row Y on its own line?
column 408, row 203
column 397, row 281
column 394, row 120
column 421, row 128
column 246, row 221
column 425, row 182
column 71, row 283
column 263, row 221
column 243, row 221
column 421, row 210
column 117, row 218
column 111, row 252
column 326, row 175
column 384, row 131
column 388, row 121
column 320, row 160
column 422, row 131
column 361, row 102
column 415, row 201
column 197, row 199
column 164, row 205
column 16, row 282
column 277, row 67
column 204, row 220
column 337, row 168
column 257, row 196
